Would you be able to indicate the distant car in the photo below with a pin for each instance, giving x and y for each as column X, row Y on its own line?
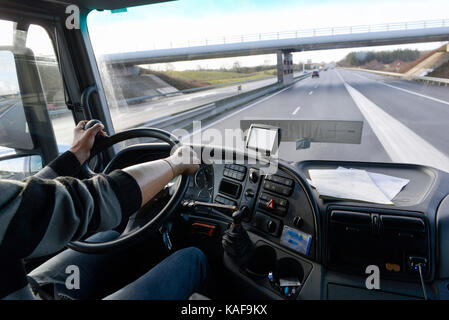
column 315, row 74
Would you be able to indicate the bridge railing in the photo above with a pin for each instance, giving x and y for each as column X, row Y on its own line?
column 292, row 34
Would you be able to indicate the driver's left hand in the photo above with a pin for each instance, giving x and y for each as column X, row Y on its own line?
column 83, row 140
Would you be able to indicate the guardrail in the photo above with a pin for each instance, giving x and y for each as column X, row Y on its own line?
column 143, row 98
column 184, row 119
column 62, row 112
column 439, row 81
column 329, row 31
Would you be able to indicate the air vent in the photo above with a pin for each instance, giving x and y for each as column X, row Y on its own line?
column 403, row 224
column 348, row 217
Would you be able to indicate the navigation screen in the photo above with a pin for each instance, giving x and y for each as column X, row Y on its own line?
column 262, row 139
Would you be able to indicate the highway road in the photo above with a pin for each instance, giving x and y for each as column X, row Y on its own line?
column 403, row 121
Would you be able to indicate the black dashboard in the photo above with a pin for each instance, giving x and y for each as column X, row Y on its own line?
column 327, row 244
column 345, row 236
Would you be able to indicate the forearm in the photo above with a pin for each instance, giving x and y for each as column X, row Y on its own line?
column 151, row 177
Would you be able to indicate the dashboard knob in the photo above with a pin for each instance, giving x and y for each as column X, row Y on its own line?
column 253, row 175
column 271, row 226
column 249, row 193
column 298, row 221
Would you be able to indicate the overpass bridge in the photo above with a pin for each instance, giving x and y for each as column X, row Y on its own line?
column 284, row 43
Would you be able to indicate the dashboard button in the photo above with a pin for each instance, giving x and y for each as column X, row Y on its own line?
column 271, row 226
column 298, row 221
column 270, row 204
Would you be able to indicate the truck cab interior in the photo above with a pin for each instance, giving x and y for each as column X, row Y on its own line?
column 258, row 230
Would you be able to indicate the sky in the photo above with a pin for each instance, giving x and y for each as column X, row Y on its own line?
column 176, row 23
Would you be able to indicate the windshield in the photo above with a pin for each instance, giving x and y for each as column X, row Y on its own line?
column 353, row 80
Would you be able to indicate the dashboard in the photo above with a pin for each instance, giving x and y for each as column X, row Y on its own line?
column 278, row 207
column 286, row 217
column 326, row 244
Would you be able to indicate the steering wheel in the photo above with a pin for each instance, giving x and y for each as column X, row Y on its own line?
column 126, row 240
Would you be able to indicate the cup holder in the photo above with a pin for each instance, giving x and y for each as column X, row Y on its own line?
column 288, row 278
column 285, row 275
column 262, row 261
column 288, row 268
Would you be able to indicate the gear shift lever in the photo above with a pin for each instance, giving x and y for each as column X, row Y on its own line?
column 235, row 240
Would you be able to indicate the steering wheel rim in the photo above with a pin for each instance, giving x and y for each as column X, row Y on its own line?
column 131, row 238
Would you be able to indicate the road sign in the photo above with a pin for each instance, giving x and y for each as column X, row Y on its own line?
column 398, row 65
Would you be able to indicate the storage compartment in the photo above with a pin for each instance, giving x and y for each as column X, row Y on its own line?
column 288, row 278
column 262, row 261
column 289, row 268
column 388, row 240
column 275, row 269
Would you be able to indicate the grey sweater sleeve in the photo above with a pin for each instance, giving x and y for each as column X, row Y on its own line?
column 66, row 165
column 39, row 216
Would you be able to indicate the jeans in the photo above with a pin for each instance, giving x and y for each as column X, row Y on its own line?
column 178, row 276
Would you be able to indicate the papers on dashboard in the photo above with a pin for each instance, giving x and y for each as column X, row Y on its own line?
column 355, row 184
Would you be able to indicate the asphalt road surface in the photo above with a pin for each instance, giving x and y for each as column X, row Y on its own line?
column 403, row 121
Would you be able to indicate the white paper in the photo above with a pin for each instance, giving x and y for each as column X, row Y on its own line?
column 389, row 185
column 347, row 184
column 311, row 183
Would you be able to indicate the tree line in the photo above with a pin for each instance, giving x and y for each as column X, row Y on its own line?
column 360, row 58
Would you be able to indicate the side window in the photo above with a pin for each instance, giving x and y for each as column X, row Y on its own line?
column 61, row 117
column 18, row 158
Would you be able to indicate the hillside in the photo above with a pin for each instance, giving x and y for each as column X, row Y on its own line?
column 386, row 60
column 188, row 79
column 441, row 72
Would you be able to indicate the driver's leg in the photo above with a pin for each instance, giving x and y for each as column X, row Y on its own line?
column 52, row 273
column 175, row 278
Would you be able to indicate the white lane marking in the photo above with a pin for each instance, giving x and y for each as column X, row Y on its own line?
column 405, row 90
column 296, row 110
column 238, row 111
column 416, row 93
column 401, row 144
column 311, row 92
